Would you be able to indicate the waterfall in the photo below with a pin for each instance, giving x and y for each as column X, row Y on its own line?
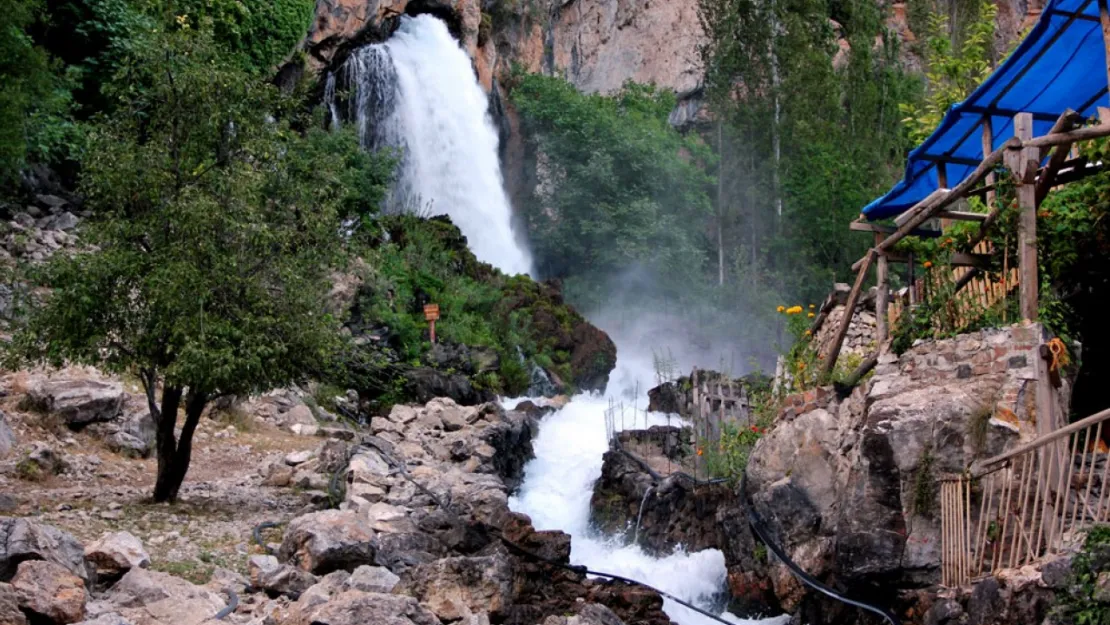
column 417, row 92
column 559, row 482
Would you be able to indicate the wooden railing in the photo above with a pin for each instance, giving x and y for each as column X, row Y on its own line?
column 1016, row 508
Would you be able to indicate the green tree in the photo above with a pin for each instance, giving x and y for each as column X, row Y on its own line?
column 216, row 224
column 28, row 84
column 620, row 186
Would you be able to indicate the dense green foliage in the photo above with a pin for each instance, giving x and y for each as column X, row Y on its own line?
column 216, row 223
column 1085, row 602
column 504, row 321
column 58, row 57
column 810, row 135
column 620, row 187
column 33, row 101
column 261, row 33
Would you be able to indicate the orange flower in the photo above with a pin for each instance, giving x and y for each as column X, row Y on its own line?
column 928, row 264
column 1043, row 214
column 699, row 451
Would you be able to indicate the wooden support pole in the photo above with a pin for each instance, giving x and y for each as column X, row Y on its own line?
column 988, row 147
column 912, row 280
column 849, row 312
column 882, row 298
column 1023, row 164
column 1104, row 17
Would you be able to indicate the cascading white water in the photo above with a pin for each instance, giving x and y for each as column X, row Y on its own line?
column 556, row 491
column 417, row 92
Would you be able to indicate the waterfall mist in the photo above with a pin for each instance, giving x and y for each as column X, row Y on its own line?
column 417, row 92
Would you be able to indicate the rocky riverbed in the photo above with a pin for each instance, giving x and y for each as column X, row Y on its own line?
column 403, row 522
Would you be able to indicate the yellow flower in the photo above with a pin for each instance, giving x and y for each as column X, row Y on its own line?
column 781, row 308
column 793, row 310
column 812, row 306
column 182, row 20
column 811, row 315
column 809, row 332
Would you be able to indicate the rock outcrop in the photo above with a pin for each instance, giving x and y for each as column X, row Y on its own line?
column 24, row 540
column 49, row 591
column 847, row 485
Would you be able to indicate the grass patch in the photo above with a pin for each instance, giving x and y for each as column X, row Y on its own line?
column 925, row 486
column 977, row 428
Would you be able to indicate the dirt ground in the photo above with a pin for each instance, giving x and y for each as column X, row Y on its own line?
column 221, row 501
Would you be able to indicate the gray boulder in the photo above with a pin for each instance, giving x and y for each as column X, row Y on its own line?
column 322, row 542
column 77, row 402
column 23, row 539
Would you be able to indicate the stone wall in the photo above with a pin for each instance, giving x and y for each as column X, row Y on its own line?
column 863, row 333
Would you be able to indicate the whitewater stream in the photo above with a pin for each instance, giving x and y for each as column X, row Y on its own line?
column 558, row 484
column 417, row 93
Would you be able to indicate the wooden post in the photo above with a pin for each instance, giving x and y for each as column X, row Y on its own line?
column 1023, row 164
column 882, row 297
column 849, row 310
column 1104, row 17
column 911, row 279
column 988, row 147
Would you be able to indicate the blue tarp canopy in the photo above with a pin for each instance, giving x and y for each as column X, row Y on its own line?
column 1061, row 64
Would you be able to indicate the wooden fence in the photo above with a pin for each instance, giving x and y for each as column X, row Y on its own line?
column 1016, row 508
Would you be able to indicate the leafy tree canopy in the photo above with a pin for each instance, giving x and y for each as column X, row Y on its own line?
column 217, row 220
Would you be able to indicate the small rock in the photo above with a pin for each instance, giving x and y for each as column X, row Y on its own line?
column 7, row 503
column 63, row 221
column 298, row 457
column 111, row 618
column 49, row 590
column 7, row 437
column 267, row 573
column 372, row 579
column 40, row 462
column 279, row 475
column 115, row 554
column 50, row 201
column 301, row 429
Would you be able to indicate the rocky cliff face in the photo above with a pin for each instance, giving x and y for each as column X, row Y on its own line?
column 847, row 485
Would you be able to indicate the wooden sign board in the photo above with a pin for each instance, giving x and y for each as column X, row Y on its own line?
column 431, row 312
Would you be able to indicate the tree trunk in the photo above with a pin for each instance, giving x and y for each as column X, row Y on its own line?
column 174, row 455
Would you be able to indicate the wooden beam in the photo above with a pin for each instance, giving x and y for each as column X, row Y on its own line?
column 962, row 216
column 937, row 200
column 963, row 259
column 849, row 312
column 1023, row 164
column 915, row 210
column 1059, row 154
column 860, row 226
column 1072, row 136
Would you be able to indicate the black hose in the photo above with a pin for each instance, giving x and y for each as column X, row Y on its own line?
column 232, row 605
column 764, row 535
column 258, row 535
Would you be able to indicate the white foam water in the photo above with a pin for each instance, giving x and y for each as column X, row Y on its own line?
column 417, row 92
column 556, row 491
